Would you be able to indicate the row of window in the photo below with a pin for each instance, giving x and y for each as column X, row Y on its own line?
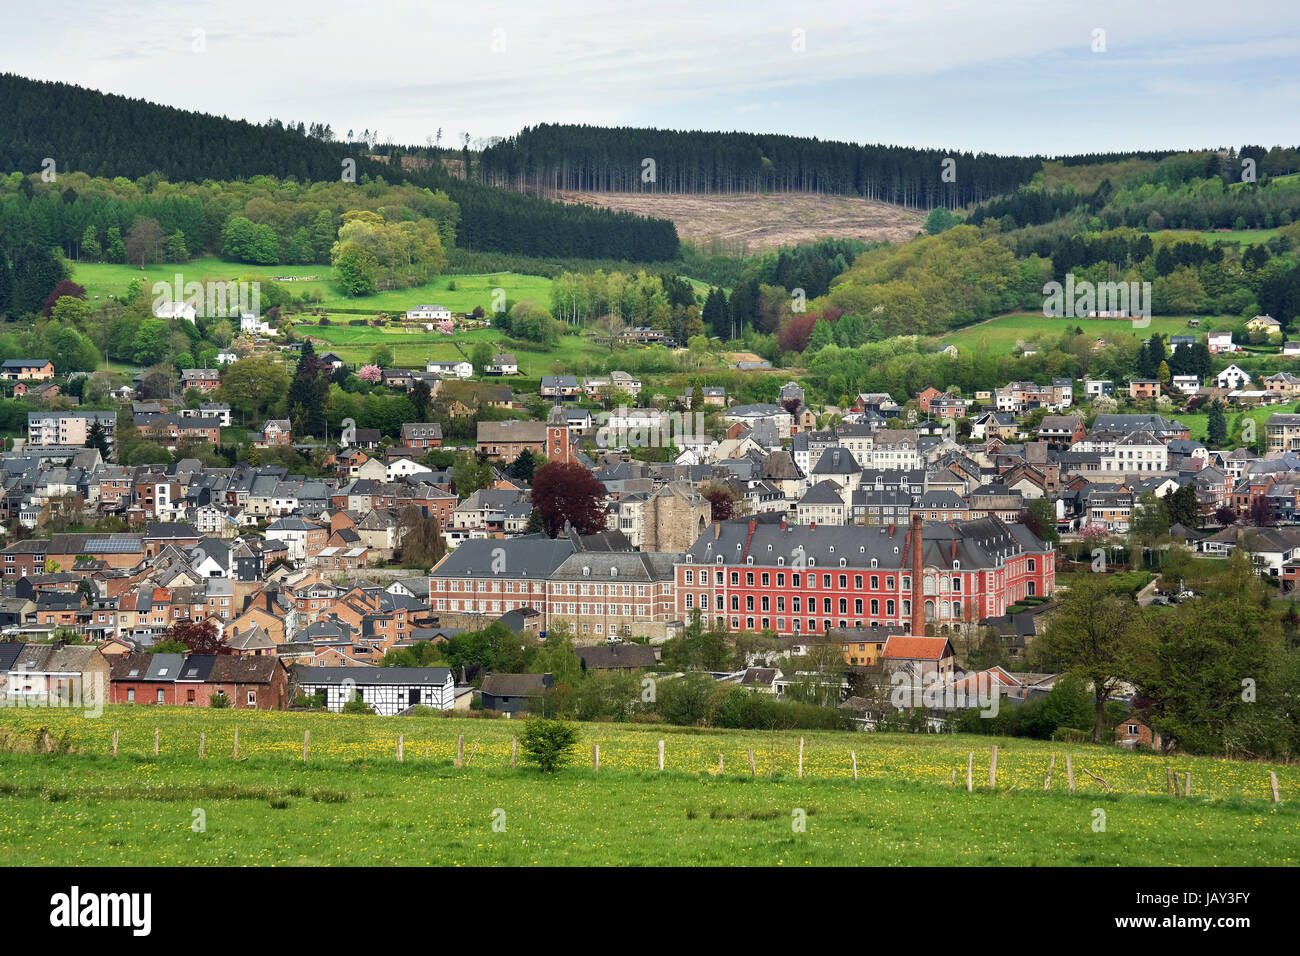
column 795, row 606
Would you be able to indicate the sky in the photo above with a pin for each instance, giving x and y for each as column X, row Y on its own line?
column 1044, row 77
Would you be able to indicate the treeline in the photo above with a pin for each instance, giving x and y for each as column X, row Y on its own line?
column 108, row 135
column 638, row 299
column 1183, row 191
column 603, row 159
column 88, row 217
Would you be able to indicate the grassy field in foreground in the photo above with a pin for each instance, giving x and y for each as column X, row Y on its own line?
column 1002, row 333
column 352, row 803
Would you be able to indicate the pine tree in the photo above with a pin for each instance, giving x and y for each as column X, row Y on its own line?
column 308, row 392
column 98, row 438
column 1217, row 430
column 716, row 315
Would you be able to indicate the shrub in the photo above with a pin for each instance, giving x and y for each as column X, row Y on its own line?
column 357, row 706
column 549, row 743
column 219, row 701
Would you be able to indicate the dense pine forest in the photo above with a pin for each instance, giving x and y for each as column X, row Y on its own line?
column 108, row 135
column 591, row 158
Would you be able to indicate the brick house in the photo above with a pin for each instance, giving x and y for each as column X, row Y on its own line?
column 422, row 435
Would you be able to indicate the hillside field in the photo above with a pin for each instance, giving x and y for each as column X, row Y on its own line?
column 748, row 223
column 411, row 347
column 1001, row 334
column 352, row 803
column 103, row 279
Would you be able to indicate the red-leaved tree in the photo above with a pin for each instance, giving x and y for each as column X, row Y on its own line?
column 65, row 287
column 201, row 637
column 567, row 491
column 795, row 331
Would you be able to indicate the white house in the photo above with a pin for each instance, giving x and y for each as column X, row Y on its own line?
column 293, row 532
column 388, row 690
column 450, row 369
column 1232, row 377
column 254, row 325
column 1186, row 383
column 175, row 310
column 1220, row 342
column 226, row 356
column 429, row 313
column 400, row 467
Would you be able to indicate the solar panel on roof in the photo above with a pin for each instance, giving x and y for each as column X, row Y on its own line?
column 112, row 545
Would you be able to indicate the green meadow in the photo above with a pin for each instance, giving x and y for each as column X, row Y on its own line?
column 352, row 803
column 1002, row 333
column 105, row 279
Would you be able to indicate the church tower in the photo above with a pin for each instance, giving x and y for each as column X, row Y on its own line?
column 557, row 436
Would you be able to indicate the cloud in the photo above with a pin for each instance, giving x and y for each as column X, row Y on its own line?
column 1015, row 76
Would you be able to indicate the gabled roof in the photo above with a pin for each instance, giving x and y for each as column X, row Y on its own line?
column 909, row 647
column 516, row 685
column 610, row 656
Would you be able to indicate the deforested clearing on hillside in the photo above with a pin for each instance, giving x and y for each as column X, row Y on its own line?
column 745, row 223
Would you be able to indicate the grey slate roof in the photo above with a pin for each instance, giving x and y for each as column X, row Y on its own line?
column 371, row 676
column 532, row 556
column 976, row 544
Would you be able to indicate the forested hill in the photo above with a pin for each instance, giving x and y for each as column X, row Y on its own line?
column 591, row 158
column 109, row 135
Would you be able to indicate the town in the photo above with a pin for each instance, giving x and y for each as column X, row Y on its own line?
column 882, row 539
column 845, row 435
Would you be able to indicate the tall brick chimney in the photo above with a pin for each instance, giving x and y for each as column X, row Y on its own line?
column 918, row 577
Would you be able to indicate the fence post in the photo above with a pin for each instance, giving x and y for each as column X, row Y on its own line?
column 993, row 768
column 970, row 770
column 1187, row 789
column 460, row 749
column 1069, row 771
column 306, row 743
column 661, row 755
column 595, row 757
column 114, row 743
column 1169, row 781
column 1272, row 779
column 1047, row 784
column 854, row 757
column 203, row 741
column 234, row 751
column 514, row 748
column 155, row 741
column 800, row 758
column 400, row 741
column 752, row 772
